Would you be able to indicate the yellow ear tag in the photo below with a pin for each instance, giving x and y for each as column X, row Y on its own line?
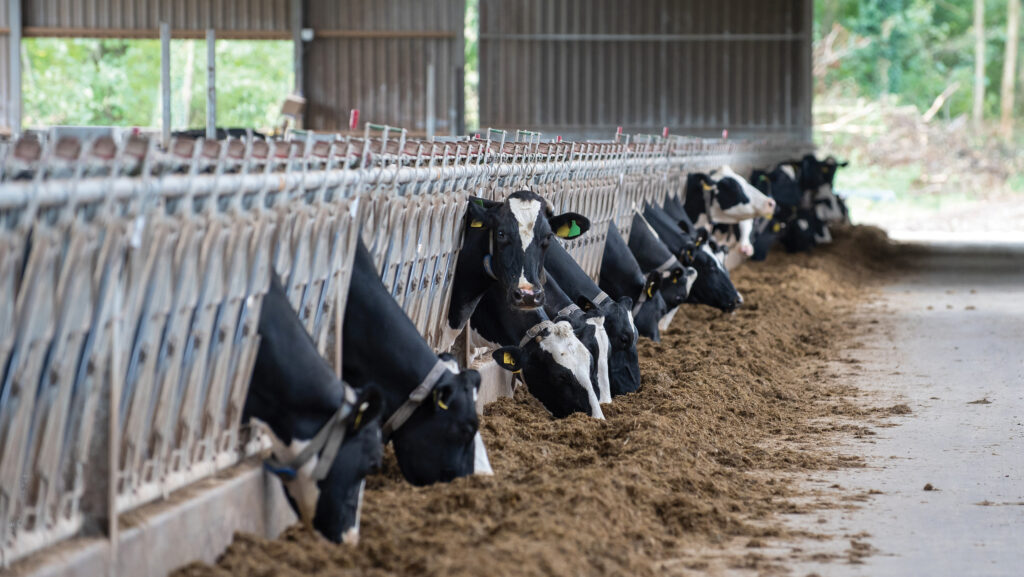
column 776, row 227
column 675, row 280
column 359, row 419
column 476, row 224
column 509, row 360
column 705, row 185
column 650, row 291
column 439, row 402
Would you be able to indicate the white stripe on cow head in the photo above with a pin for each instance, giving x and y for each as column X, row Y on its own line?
column 567, row 350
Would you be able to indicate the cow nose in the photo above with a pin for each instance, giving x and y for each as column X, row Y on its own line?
column 527, row 298
column 769, row 207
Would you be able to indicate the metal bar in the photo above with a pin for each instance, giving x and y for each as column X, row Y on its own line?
column 326, row 33
column 211, row 84
column 165, row 81
column 296, row 35
column 149, row 33
column 641, row 37
column 431, row 93
column 14, row 65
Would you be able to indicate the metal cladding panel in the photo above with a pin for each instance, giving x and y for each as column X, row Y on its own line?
column 247, row 18
column 584, row 67
column 373, row 55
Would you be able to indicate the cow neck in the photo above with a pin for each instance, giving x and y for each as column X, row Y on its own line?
column 326, row 443
column 415, row 399
column 569, row 275
column 472, row 278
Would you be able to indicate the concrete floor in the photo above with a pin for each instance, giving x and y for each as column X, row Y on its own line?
column 950, row 344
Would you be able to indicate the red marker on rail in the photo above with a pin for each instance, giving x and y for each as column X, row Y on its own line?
column 353, row 119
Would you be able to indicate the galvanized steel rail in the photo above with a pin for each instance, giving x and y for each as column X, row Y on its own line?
column 131, row 280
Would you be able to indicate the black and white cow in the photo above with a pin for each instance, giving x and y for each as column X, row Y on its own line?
column 723, row 198
column 623, row 361
column 505, row 243
column 307, row 410
column 621, row 276
column 713, row 286
column 653, row 256
column 429, row 408
column 550, row 359
column 589, row 327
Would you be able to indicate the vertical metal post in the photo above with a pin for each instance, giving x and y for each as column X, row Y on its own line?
column 296, row 21
column 211, row 84
column 458, row 110
column 114, row 429
column 807, row 63
column 431, row 93
column 14, row 16
column 165, row 81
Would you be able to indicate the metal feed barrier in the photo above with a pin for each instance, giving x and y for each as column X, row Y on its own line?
column 131, row 280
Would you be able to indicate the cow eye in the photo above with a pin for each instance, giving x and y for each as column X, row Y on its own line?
column 501, row 235
column 546, row 241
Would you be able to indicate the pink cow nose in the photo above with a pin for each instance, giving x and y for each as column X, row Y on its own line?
column 527, row 297
column 769, row 207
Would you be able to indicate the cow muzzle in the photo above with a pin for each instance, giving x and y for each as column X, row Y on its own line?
column 769, row 208
column 526, row 298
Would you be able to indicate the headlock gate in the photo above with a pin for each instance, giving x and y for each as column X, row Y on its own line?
column 131, row 280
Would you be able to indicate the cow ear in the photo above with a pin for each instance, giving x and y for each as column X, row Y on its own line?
column 368, row 406
column 585, row 304
column 569, row 225
column 443, row 395
column 684, row 225
column 478, row 212
column 509, row 358
column 702, row 237
column 653, row 284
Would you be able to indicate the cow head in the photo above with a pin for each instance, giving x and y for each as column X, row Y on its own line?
column 441, row 440
column 555, row 366
column 332, row 505
column 623, row 359
column 735, row 199
column 518, row 232
column 676, row 283
column 713, row 286
column 650, row 312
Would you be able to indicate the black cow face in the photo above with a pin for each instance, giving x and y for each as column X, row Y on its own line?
column 555, row 366
column 713, row 286
column 520, row 231
column 648, row 317
column 440, row 441
column 333, row 504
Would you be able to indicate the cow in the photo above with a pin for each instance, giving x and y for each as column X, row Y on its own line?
column 816, row 180
column 621, row 276
column 505, row 243
column 308, row 411
column 545, row 354
column 589, row 327
column 429, row 405
column 653, row 256
column 724, row 197
column 623, row 360
column 713, row 286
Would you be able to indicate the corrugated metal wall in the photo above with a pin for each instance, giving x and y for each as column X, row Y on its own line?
column 583, row 67
column 254, row 19
column 374, row 54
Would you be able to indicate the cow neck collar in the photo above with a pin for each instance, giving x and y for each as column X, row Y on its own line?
column 535, row 330
column 601, row 298
column 326, row 442
column 415, row 399
column 640, row 301
column 569, row 310
column 667, row 265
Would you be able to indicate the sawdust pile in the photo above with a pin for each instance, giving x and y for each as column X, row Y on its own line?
column 694, row 458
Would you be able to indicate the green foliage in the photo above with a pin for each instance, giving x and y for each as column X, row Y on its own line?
column 917, row 49
column 117, row 82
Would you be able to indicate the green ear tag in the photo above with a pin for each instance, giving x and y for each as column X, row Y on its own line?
column 479, row 201
column 574, row 230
